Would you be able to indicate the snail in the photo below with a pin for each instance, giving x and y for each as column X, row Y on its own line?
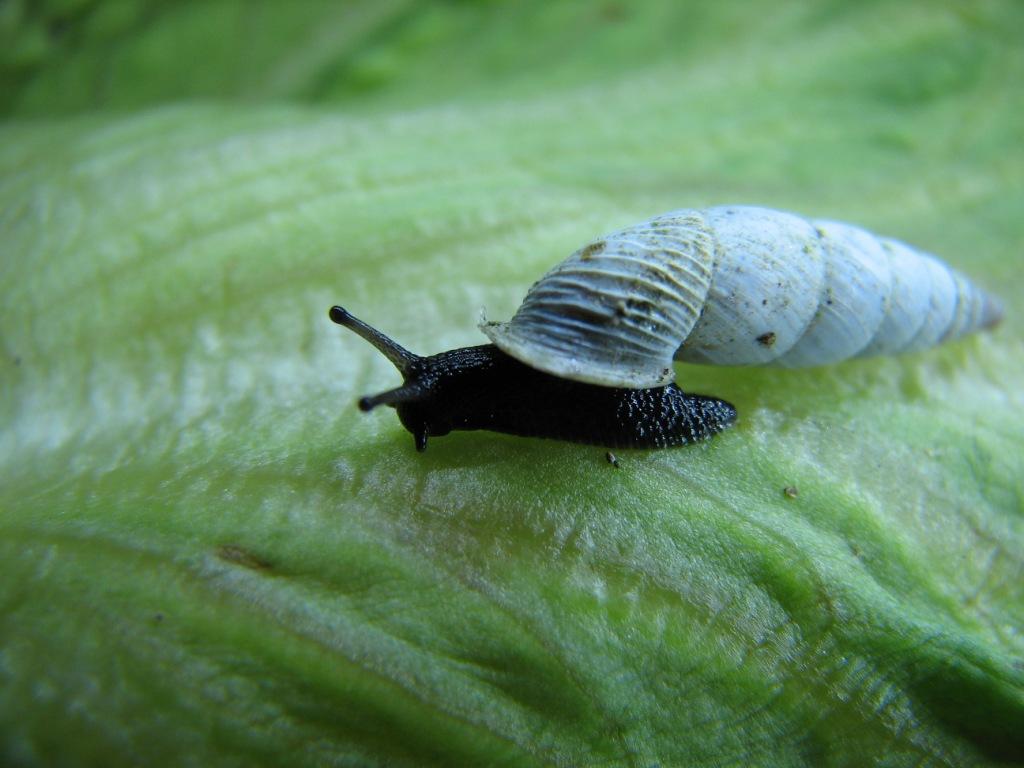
column 588, row 355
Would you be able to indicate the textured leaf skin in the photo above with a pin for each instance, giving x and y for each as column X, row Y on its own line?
column 208, row 556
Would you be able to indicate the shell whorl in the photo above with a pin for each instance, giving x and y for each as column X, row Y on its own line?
column 735, row 285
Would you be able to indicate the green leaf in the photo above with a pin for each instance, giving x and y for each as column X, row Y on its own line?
column 209, row 556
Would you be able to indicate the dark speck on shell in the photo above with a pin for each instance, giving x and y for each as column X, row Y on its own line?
column 588, row 251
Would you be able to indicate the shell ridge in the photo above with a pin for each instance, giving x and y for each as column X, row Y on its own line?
column 941, row 305
column 757, row 305
column 573, row 343
column 652, row 259
column 823, row 291
column 671, row 268
column 853, row 297
column 885, row 300
column 570, row 278
column 615, row 308
column 906, row 312
column 586, row 338
column 623, row 308
column 960, row 321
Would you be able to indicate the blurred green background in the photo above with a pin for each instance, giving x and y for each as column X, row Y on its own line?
column 208, row 556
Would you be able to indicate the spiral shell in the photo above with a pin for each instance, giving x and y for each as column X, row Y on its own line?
column 735, row 285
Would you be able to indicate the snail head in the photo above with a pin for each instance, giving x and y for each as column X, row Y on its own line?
column 435, row 389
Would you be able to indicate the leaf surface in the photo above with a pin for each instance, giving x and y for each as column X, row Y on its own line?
column 209, row 556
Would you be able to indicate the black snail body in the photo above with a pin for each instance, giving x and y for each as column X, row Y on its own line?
column 483, row 388
column 588, row 355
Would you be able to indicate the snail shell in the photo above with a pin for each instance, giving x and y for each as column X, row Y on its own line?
column 735, row 285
